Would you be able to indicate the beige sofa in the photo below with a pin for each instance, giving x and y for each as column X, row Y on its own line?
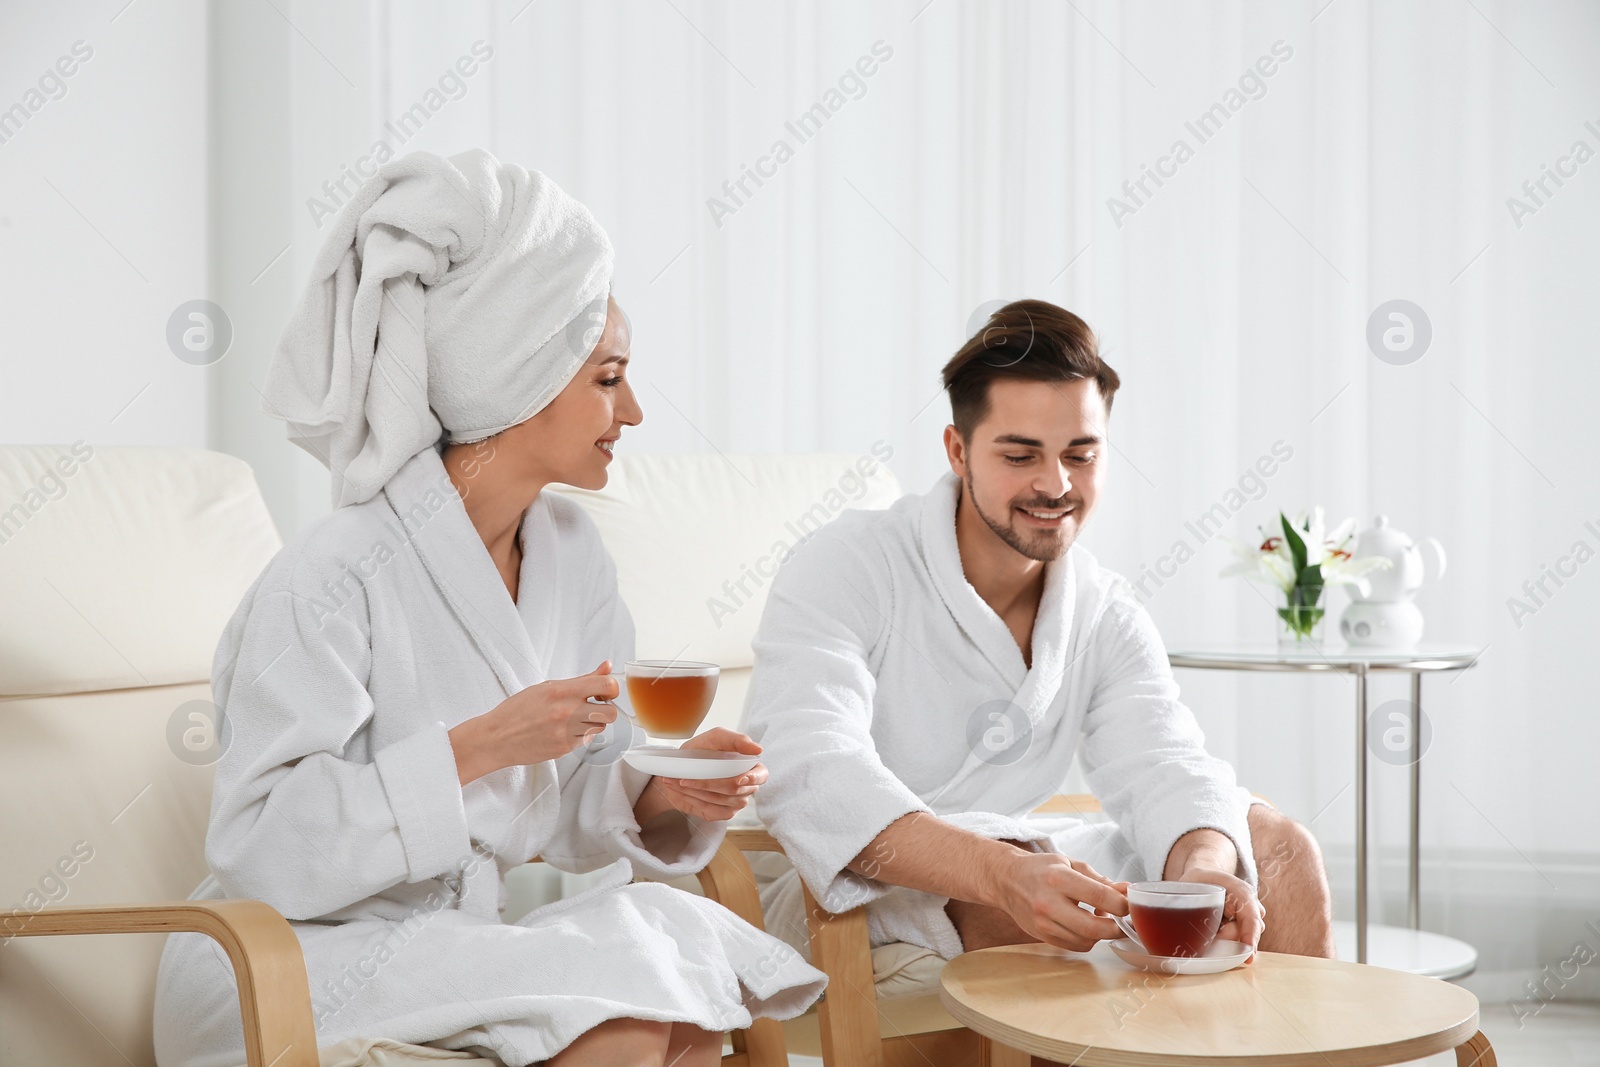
column 119, row 567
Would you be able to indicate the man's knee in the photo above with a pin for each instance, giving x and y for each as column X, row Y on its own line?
column 1282, row 846
column 981, row 926
column 1293, row 885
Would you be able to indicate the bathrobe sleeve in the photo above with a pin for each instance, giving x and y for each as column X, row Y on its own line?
column 294, row 822
column 599, row 789
column 1143, row 752
column 810, row 707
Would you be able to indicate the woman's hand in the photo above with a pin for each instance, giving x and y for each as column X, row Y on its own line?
column 542, row 722
column 713, row 799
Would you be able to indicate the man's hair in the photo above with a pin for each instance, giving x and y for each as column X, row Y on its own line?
column 1028, row 339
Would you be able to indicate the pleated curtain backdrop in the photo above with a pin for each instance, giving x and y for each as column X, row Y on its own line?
column 808, row 202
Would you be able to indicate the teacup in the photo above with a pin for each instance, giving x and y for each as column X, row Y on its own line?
column 670, row 698
column 1173, row 918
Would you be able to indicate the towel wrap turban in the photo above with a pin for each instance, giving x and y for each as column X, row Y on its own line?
column 452, row 299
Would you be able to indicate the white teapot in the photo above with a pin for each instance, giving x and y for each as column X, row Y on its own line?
column 1386, row 616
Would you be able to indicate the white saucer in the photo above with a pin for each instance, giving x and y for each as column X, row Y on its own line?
column 1221, row 956
column 698, row 763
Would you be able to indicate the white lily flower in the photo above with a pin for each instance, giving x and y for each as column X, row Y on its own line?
column 1343, row 570
column 1342, row 533
column 1271, row 566
column 1278, row 570
column 1271, row 561
column 1311, row 534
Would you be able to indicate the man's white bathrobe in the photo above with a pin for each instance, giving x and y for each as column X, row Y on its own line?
column 884, row 684
column 337, row 802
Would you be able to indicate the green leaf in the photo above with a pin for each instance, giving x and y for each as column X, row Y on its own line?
column 1297, row 546
column 1301, row 620
column 1309, row 584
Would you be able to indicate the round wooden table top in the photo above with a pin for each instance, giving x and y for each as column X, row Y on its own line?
column 1093, row 1010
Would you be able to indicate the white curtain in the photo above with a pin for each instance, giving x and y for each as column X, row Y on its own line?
column 1339, row 155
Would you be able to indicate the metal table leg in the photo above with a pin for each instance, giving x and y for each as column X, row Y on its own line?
column 1361, row 812
column 1414, row 873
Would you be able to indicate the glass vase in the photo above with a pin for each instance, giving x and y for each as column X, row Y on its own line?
column 1300, row 620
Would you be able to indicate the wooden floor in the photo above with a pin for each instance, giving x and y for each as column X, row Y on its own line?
column 1561, row 1035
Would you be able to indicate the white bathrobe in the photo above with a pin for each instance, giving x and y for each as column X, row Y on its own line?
column 337, row 802
column 884, row 684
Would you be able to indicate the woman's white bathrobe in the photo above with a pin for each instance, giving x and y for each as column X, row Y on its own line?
column 884, row 684
column 337, row 802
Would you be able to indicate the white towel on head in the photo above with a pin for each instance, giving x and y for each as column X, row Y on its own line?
column 453, row 297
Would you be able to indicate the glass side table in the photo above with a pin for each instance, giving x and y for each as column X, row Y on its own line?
column 1409, row 948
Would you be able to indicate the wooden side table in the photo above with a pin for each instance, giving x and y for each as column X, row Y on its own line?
column 1092, row 1010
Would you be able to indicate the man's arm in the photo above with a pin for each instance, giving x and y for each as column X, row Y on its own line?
column 1179, row 806
column 1040, row 891
column 922, row 851
column 1202, row 849
column 1145, row 757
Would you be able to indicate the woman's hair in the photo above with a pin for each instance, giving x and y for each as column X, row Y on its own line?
column 1029, row 339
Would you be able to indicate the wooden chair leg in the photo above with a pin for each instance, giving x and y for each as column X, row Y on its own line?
column 1475, row 1052
column 728, row 880
column 848, row 1016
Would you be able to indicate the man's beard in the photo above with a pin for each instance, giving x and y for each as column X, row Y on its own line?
column 1043, row 547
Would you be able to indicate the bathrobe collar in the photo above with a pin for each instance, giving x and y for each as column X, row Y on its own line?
column 430, row 510
column 1035, row 687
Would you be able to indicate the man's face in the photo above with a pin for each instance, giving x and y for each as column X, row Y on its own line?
column 1033, row 466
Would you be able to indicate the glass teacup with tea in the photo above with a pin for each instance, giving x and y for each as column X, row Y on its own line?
column 1173, row 919
column 670, row 697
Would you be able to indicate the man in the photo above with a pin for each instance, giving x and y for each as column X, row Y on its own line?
column 924, row 676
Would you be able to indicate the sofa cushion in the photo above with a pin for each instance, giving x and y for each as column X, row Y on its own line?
column 120, row 565
column 698, row 538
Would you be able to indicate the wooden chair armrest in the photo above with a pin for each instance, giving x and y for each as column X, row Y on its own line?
column 754, row 839
column 1082, row 804
column 1070, row 803
column 274, row 995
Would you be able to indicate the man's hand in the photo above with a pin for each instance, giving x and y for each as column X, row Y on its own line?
column 1243, row 914
column 1041, row 892
column 1209, row 856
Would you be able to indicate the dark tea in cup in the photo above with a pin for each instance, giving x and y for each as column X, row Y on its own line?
column 1176, row 918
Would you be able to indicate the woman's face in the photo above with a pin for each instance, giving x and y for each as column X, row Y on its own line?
column 571, row 438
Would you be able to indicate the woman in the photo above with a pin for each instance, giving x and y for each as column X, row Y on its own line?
column 408, row 683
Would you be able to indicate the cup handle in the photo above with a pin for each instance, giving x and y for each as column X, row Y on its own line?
column 621, row 711
column 1126, row 926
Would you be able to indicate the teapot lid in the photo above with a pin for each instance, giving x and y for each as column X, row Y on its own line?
column 1381, row 539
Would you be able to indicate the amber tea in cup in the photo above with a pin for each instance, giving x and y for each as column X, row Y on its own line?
column 670, row 698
